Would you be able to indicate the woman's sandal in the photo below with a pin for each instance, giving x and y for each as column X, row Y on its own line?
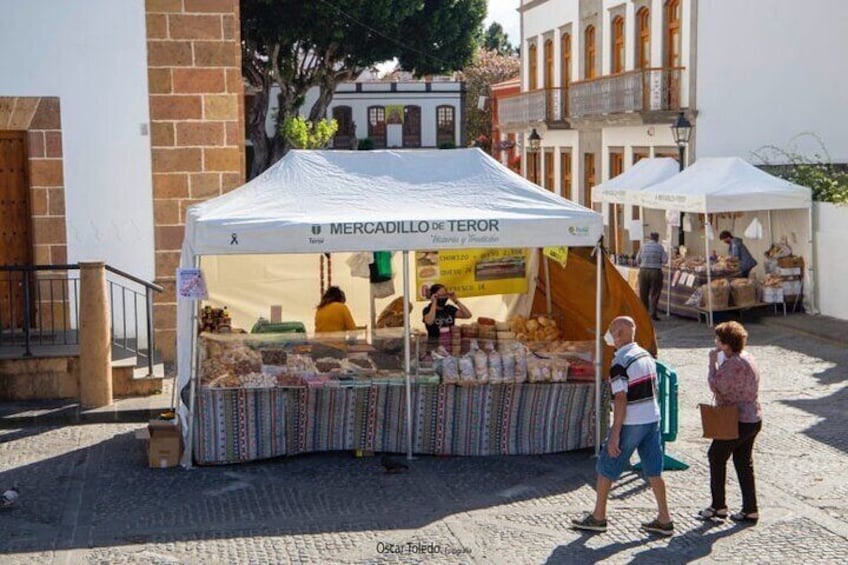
column 743, row 518
column 711, row 513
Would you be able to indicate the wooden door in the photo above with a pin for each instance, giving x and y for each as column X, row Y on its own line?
column 15, row 232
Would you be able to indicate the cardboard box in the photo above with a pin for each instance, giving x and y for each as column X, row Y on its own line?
column 790, row 262
column 165, row 446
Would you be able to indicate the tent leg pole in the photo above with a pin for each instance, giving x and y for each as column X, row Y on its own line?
column 407, row 367
column 709, row 273
column 548, row 299
column 373, row 308
column 811, row 269
column 771, row 231
column 670, row 255
column 599, row 258
column 195, row 354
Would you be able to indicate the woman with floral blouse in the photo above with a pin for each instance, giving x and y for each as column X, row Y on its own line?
column 735, row 380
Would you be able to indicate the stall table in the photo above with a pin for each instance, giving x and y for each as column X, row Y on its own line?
column 238, row 425
column 683, row 284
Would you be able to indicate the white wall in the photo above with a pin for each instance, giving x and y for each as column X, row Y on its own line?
column 769, row 70
column 92, row 54
column 830, row 226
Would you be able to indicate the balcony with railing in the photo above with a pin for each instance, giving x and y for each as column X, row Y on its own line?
column 546, row 105
column 642, row 90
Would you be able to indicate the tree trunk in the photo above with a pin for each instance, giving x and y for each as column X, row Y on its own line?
column 327, row 90
column 256, row 131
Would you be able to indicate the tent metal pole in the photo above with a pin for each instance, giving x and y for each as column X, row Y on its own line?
column 811, row 270
column 670, row 255
column 407, row 366
column 771, row 231
column 599, row 258
column 709, row 269
column 548, row 299
column 195, row 354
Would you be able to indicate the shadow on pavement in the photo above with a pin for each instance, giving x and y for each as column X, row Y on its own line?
column 683, row 547
column 105, row 495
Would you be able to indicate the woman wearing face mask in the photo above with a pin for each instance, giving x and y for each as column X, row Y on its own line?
column 736, row 380
column 439, row 314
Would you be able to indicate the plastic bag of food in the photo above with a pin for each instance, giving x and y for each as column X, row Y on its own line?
column 450, row 370
column 508, row 360
column 481, row 366
column 495, row 367
column 520, row 363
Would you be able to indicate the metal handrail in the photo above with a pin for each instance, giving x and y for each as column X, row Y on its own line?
column 47, row 320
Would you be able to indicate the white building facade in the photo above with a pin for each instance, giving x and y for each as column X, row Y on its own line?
column 392, row 114
column 602, row 80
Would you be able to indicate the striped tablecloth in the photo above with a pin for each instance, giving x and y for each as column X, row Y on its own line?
column 237, row 425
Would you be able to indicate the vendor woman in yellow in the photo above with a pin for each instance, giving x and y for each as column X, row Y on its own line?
column 332, row 314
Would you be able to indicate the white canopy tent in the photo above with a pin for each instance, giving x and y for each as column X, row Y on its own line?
column 717, row 185
column 625, row 188
column 331, row 201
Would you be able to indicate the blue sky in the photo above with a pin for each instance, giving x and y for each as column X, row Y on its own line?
column 505, row 13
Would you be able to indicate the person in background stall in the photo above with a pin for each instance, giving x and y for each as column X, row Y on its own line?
column 650, row 259
column 635, row 426
column 737, row 249
column 439, row 314
column 332, row 314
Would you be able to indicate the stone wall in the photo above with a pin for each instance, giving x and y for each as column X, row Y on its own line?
column 39, row 378
column 197, row 126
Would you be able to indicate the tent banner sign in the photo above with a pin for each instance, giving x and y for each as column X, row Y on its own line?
column 472, row 272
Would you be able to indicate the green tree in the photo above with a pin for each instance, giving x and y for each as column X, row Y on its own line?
column 488, row 68
column 497, row 40
column 297, row 45
column 303, row 134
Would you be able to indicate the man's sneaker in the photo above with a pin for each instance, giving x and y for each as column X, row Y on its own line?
column 658, row 527
column 590, row 523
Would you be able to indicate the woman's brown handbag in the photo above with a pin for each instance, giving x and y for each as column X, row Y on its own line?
column 720, row 422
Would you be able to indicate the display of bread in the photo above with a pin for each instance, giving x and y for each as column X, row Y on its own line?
column 540, row 328
column 392, row 315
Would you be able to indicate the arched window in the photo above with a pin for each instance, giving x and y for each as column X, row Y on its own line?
column 345, row 134
column 532, row 70
column 673, row 42
column 412, row 126
column 445, row 125
column 565, row 49
column 643, row 38
column 589, row 53
column 549, row 63
column 377, row 125
column 618, row 45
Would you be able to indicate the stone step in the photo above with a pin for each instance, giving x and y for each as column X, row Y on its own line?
column 127, row 380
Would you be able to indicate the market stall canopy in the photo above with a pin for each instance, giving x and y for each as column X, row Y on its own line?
column 329, row 201
column 725, row 184
column 625, row 188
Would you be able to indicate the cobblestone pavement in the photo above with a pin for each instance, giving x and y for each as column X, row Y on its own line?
column 87, row 497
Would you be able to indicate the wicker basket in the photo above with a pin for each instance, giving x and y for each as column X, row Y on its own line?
column 744, row 293
column 720, row 291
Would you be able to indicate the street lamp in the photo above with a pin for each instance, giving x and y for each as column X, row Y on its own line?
column 681, row 130
column 534, row 143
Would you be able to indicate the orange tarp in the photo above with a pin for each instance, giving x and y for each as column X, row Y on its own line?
column 573, row 294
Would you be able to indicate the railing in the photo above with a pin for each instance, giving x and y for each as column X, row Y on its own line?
column 642, row 90
column 39, row 308
column 537, row 106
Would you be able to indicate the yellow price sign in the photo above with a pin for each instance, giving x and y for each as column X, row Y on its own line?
column 558, row 254
column 472, row 272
